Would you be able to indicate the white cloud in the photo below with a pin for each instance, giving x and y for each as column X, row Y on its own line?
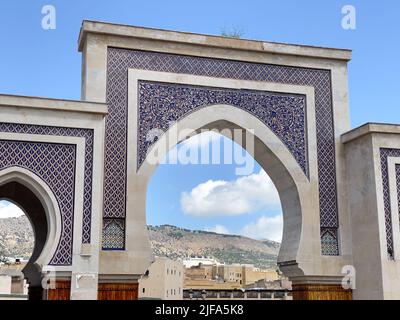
column 218, row 228
column 265, row 228
column 9, row 210
column 231, row 198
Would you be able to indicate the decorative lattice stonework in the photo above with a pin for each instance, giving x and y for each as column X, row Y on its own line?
column 163, row 103
column 384, row 154
column 120, row 60
column 329, row 241
column 63, row 254
column 54, row 164
column 113, row 234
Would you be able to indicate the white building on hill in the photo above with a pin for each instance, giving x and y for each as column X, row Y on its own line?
column 194, row 262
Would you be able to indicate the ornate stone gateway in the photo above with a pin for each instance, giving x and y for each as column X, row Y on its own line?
column 85, row 165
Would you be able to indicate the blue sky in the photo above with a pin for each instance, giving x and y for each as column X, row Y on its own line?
column 46, row 63
column 214, row 197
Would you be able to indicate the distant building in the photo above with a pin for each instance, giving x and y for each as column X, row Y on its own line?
column 235, row 294
column 163, row 280
column 250, row 274
column 207, row 284
column 196, row 261
column 234, row 282
column 200, row 272
column 230, row 273
column 5, row 284
column 214, row 276
column 12, row 282
column 270, row 285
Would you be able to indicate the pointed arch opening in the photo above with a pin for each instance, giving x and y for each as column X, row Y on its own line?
column 268, row 151
column 32, row 195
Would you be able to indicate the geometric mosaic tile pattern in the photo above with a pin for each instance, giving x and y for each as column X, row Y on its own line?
column 384, row 154
column 88, row 135
column 163, row 103
column 329, row 241
column 120, row 60
column 113, row 234
column 55, row 164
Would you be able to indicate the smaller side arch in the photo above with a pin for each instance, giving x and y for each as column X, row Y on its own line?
column 50, row 205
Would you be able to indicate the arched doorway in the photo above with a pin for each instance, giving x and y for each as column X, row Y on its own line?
column 292, row 101
column 213, row 211
column 28, row 192
column 293, row 186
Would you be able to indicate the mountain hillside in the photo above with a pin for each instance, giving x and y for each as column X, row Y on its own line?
column 176, row 242
column 16, row 239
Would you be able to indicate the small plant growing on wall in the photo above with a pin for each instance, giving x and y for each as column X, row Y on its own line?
column 235, row 32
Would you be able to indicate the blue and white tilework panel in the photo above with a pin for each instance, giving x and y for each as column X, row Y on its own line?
column 384, row 154
column 163, row 103
column 113, row 234
column 329, row 241
column 54, row 164
column 63, row 255
column 120, row 60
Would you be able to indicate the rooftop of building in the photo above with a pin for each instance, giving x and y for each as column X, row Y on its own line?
column 368, row 128
column 52, row 104
column 122, row 30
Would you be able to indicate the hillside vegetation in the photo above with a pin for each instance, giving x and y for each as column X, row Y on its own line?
column 16, row 238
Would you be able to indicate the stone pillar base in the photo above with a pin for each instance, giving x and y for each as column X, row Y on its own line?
column 118, row 291
column 320, row 292
column 60, row 290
